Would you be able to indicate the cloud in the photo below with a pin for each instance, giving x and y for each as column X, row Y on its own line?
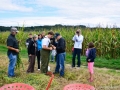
column 10, row 5
column 69, row 12
column 37, row 21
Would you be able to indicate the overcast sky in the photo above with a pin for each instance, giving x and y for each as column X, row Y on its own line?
column 66, row 12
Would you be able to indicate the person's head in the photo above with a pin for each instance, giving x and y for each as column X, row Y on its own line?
column 78, row 32
column 39, row 36
column 43, row 34
column 14, row 31
column 50, row 34
column 35, row 37
column 30, row 35
column 90, row 45
column 57, row 36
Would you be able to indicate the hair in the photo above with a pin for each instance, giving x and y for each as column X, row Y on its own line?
column 90, row 45
column 50, row 33
column 35, row 36
column 30, row 33
column 39, row 34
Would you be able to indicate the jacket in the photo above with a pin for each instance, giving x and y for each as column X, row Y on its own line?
column 61, row 45
column 91, row 55
column 32, row 48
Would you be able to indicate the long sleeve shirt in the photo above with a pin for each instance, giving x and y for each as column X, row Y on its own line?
column 78, row 41
column 61, row 45
column 91, row 55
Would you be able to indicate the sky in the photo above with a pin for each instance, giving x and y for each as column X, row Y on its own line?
column 91, row 13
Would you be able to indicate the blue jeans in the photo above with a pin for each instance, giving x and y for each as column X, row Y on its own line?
column 60, row 58
column 12, row 63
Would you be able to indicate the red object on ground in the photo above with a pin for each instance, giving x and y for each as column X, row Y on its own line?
column 78, row 86
column 52, row 76
column 17, row 86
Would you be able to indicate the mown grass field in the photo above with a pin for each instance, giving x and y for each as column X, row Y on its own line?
column 105, row 79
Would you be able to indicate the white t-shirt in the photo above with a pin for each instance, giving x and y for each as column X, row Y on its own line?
column 78, row 41
column 45, row 41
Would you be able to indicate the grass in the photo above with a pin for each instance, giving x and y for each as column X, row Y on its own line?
column 105, row 79
column 99, row 61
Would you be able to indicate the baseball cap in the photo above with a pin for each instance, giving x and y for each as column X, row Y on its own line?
column 14, row 29
column 56, row 35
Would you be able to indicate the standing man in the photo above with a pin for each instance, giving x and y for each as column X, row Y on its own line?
column 45, row 52
column 13, row 50
column 60, row 58
column 78, row 40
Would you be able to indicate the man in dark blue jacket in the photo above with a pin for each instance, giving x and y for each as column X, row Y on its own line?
column 60, row 58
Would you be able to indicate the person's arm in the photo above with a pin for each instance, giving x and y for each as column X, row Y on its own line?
column 27, row 43
column 46, row 48
column 44, row 45
column 11, row 48
column 73, row 38
column 92, row 54
column 29, row 48
column 10, row 43
column 79, row 39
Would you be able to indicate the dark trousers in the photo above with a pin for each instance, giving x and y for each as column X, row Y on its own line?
column 31, row 64
column 76, row 52
column 38, row 58
column 45, row 54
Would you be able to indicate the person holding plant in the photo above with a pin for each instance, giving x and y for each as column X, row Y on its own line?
column 78, row 40
column 61, row 54
column 13, row 50
column 45, row 52
column 39, row 47
column 91, row 55
column 32, row 48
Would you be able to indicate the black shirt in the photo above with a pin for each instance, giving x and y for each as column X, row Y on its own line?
column 28, row 40
column 12, row 42
column 32, row 48
column 61, row 45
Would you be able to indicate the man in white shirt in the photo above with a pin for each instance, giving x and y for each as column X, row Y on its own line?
column 78, row 40
column 45, row 52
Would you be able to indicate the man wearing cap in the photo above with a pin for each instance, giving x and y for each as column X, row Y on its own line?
column 60, row 58
column 13, row 50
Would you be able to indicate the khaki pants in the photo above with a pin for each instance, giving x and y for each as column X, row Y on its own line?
column 45, row 54
column 31, row 64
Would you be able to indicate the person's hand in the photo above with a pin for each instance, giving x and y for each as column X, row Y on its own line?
column 89, row 60
column 19, row 41
column 53, row 47
column 30, row 55
column 50, row 48
column 17, row 50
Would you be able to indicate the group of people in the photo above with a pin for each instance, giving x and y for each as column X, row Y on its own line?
column 41, row 46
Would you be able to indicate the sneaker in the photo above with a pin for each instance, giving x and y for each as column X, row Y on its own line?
column 38, row 69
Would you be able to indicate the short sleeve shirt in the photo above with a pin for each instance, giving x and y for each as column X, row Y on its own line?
column 45, row 41
column 12, row 42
